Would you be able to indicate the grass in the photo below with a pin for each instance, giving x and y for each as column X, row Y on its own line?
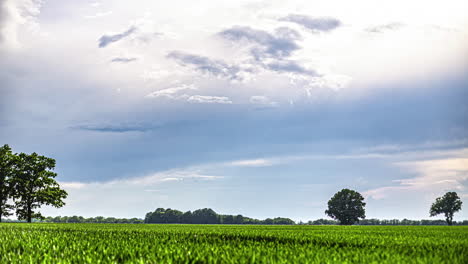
column 127, row 243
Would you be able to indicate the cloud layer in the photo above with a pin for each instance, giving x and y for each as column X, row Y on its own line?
column 292, row 98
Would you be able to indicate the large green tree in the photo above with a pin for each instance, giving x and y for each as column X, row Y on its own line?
column 346, row 206
column 34, row 185
column 7, row 160
column 448, row 205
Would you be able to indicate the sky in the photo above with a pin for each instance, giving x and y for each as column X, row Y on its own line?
column 260, row 108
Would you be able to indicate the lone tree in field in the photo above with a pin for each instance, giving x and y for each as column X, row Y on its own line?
column 447, row 205
column 34, row 185
column 6, row 168
column 346, row 206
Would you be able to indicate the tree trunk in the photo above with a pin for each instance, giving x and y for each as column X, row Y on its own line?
column 29, row 214
column 1, row 200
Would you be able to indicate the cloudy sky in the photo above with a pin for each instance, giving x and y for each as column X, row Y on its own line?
column 263, row 108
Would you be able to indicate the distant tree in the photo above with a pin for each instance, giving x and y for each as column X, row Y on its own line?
column 75, row 219
column 205, row 216
column 148, row 217
column 135, row 220
column 448, row 205
column 283, row 221
column 156, row 217
column 227, row 219
column 347, row 206
column 34, row 185
column 111, row 220
column 186, row 218
column 238, row 219
column 250, row 221
column 7, row 160
column 172, row 216
column 323, row 222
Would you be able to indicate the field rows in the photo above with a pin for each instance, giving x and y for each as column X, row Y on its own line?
column 120, row 243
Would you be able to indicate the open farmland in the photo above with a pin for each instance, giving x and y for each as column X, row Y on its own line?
column 115, row 243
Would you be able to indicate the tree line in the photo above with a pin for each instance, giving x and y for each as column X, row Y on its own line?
column 207, row 216
column 386, row 222
column 26, row 183
column 96, row 220
column 373, row 221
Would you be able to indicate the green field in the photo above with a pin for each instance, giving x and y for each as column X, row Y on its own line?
column 138, row 243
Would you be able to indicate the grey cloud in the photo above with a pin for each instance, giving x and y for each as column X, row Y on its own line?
column 270, row 51
column 290, row 66
column 147, row 37
column 385, row 27
column 316, row 24
column 108, row 39
column 267, row 45
column 123, row 60
column 206, row 65
column 119, row 128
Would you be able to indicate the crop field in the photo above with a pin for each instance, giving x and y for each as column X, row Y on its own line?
column 138, row 243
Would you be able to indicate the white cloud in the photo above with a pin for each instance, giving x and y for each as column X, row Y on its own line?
column 145, row 181
column 73, row 185
column 251, row 163
column 433, row 176
column 385, row 27
column 99, row 15
column 262, row 100
column 207, row 99
column 180, row 93
column 15, row 14
column 173, row 92
column 452, row 171
column 330, row 81
column 95, row 4
column 155, row 74
column 170, row 175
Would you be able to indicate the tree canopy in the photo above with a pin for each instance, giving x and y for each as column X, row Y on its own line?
column 6, row 171
column 30, row 182
column 346, row 206
column 448, row 205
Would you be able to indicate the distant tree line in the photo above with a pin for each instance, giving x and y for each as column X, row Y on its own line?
column 113, row 220
column 385, row 222
column 207, row 216
column 28, row 181
column 97, row 219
